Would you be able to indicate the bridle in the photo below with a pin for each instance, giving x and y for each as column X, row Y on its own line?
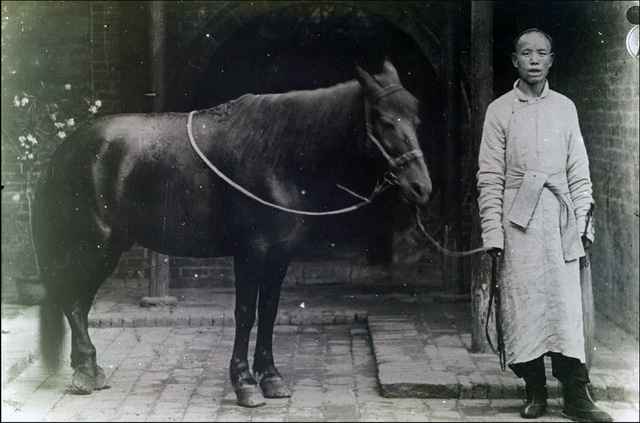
column 389, row 178
column 394, row 163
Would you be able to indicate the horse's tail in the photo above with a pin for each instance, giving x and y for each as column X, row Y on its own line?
column 51, row 332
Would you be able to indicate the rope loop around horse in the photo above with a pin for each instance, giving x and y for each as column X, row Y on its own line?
column 377, row 190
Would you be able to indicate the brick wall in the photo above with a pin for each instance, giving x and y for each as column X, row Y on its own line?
column 604, row 87
column 104, row 53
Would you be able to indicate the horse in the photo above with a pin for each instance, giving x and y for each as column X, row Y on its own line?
column 247, row 178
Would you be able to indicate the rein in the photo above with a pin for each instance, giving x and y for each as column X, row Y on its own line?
column 494, row 297
column 377, row 190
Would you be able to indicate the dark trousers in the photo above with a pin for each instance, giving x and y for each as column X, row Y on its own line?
column 566, row 369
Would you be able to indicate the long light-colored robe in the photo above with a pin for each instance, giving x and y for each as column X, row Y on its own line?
column 533, row 150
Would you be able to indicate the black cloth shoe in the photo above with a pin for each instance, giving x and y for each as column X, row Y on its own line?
column 535, row 378
column 536, row 404
column 579, row 406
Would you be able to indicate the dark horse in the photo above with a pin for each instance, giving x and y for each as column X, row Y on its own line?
column 154, row 180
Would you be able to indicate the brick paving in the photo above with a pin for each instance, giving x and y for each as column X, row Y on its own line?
column 374, row 354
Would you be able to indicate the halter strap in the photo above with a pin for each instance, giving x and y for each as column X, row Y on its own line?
column 394, row 162
column 407, row 157
column 385, row 91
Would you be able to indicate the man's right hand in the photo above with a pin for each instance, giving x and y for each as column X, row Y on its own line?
column 495, row 252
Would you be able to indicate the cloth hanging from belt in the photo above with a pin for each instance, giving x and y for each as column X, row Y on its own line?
column 530, row 185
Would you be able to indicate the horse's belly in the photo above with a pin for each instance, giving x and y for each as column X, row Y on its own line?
column 182, row 226
column 186, row 245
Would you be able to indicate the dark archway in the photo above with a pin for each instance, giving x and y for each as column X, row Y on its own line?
column 307, row 46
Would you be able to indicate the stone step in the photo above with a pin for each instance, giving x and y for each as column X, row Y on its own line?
column 416, row 363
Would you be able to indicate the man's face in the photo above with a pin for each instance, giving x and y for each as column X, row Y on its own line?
column 533, row 57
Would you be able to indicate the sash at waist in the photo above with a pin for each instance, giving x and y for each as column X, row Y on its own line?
column 530, row 185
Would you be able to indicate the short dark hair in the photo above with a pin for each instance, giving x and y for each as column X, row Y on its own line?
column 526, row 31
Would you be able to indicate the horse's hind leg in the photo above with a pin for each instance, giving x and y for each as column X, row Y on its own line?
column 80, row 290
column 87, row 376
column 271, row 382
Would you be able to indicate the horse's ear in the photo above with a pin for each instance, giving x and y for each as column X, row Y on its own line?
column 365, row 79
column 388, row 67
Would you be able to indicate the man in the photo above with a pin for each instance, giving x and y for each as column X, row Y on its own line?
column 534, row 195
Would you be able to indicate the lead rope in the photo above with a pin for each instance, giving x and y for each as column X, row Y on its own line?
column 439, row 247
column 377, row 190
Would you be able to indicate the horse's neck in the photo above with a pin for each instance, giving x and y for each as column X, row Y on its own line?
column 337, row 114
column 307, row 127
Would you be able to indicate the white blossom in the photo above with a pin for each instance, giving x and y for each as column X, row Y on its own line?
column 98, row 103
column 67, row 87
column 71, row 122
column 24, row 101
column 93, row 109
column 59, row 125
column 61, row 134
column 32, row 139
column 16, row 101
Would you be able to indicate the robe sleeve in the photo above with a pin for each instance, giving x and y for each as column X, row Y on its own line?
column 491, row 178
column 578, row 177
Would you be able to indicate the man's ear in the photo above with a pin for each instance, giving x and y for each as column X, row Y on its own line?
column 551, row 56
column 514, row 60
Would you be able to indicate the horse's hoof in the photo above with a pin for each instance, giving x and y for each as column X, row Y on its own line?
column 84, row 383
column 274, row 388
column 250, row 396
column 101, row 380
column 272, row 384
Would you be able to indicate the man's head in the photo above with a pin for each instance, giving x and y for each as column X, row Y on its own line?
column 533, row 55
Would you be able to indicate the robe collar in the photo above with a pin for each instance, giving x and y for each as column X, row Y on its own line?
column 522, row 97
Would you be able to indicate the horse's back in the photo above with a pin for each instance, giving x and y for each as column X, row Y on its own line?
column 101, row 154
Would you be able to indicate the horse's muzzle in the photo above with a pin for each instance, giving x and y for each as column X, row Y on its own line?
column 416, row 193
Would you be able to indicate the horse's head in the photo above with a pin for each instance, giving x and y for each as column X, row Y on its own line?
column 391, row 120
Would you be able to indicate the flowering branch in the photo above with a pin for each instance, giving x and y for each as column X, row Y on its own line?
column 42, row 119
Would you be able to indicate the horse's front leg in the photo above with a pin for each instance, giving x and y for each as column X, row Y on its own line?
column 271, row 382
column 247, row 280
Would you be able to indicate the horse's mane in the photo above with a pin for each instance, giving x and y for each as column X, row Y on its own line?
column 292, row 126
